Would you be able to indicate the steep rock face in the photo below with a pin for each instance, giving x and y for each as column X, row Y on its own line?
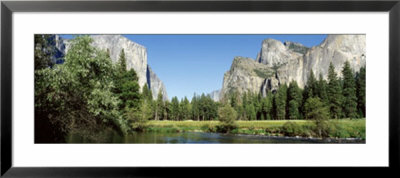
column 292, row 61
column 274, row 52
column 215, row 95
column 155, row 84
column 245, row 75
column 336, row 49
column 135, row 54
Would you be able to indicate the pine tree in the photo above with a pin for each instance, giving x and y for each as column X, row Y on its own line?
column 349, row 92
column 317, row 111
column 280, row 103
column 258, row 106
column 294, row 99
column 146, row 92
column 166, row 110
column 361, row 84
column 266, row 108
column 311, row 86
column 233, row 99
column 185, row 109
column 334, row 92
column 293, row 111
column 159, row 106
column 321, row 89
column 122, row 61
column 195, row 108
column 128, row 90
column 250, row 112
column 175, row 108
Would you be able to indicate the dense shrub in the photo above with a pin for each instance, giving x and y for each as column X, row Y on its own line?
column 227, row 116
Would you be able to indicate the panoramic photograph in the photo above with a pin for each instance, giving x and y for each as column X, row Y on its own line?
column 200, row 88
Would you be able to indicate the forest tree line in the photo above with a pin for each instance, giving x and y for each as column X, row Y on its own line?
column 344, row 97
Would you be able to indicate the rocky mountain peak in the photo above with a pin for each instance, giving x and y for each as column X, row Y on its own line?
column 274, row 52
column 280, row 63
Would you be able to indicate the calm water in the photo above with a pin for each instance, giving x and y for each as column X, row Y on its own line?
column 204, row 138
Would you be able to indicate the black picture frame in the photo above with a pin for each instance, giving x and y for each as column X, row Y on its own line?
column 8, row 7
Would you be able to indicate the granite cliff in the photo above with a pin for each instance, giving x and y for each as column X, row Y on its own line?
column 136, row 58
column 279, row 63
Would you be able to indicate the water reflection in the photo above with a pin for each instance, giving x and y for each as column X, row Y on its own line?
column 203, row 138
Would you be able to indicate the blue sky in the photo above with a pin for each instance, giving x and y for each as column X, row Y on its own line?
column 189, row 64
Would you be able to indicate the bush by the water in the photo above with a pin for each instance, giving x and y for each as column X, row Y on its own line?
column 316, row 110
column 227, row 116
column 138, row 117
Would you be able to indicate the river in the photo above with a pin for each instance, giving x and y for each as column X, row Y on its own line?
column 207, row 138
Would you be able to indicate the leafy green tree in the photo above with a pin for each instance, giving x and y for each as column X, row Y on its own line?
column 44, row 51
column 334, row 92
column 77, row 95
column 349, row 92
column 227, row 116
column 138, row 117
column 361, row 82
column 319, row 113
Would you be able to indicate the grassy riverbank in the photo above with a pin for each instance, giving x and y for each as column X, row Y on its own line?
column 343, row 128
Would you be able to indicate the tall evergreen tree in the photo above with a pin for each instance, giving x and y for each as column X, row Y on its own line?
column 159, row 105
column 146, row 92
column 195, row 108
column 311, row 86
column 361, row 84
column 234, row 99
column 185, row 109
column 334, row 92
column 294, row 99
column 321, row 89
column 266, row 108
column 175, row 108
column 250, row 112
column 122, row 61
column 349, row 92
column 167, row 110
column 280, row 103
column 128, row 89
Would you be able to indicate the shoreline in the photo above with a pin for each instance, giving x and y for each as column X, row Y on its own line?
column 342, row 130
